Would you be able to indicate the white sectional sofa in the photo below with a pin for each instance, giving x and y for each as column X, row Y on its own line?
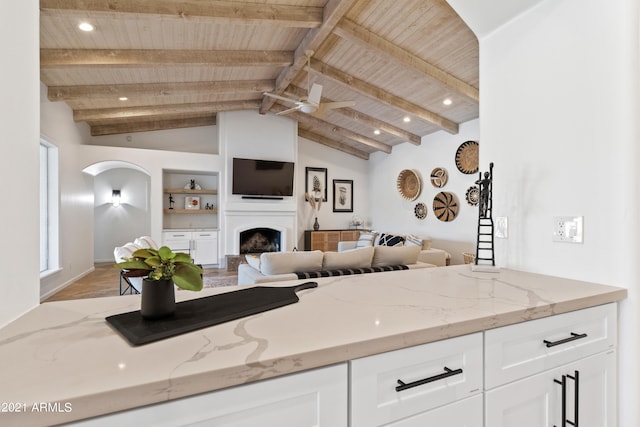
column 279, row 266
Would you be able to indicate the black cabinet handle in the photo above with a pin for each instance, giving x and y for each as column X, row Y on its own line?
column 576, row 379
column 564, row 399
column 447, row 373
column 573, row 337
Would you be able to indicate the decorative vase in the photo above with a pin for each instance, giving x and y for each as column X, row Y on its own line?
column 316, row 225
column 158, row 298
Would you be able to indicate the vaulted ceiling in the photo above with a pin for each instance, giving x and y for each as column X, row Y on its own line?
column 179, row 63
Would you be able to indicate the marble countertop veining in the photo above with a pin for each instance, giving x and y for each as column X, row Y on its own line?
column 66, row 355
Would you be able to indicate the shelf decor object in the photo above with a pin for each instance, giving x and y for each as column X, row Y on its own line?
column 473, row 195
column 467, row 157
column 409, row 184
column 445, row 206
column 192, row 202
column 439, row 177
column 420, row 210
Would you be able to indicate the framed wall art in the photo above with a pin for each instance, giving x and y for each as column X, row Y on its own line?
column 315, row 182
column 343, row 195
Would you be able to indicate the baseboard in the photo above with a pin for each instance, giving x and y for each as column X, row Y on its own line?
column 65, row 284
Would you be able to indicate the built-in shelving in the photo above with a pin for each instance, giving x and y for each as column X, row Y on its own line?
column 177, row 190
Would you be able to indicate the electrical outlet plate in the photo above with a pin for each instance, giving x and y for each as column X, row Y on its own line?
column 568, row 229
column 501, row 227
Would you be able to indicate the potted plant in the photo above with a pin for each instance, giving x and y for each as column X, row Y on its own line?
column 165, row 268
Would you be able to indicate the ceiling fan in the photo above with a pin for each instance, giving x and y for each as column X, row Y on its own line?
column 311, row 104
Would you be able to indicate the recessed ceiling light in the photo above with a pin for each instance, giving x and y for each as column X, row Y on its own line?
column 447, row 101
column 376, row 132
column 407, row 119
column 123, row 98
column 85, row 26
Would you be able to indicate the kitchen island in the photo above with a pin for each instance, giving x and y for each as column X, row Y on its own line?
column 63, row 357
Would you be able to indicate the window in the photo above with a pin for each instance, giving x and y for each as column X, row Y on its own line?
column 49, row 261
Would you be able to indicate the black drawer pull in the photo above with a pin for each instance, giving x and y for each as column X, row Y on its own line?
column 448, row 373
column 573, row 337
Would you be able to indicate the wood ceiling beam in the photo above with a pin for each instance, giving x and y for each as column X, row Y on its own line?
column 336, row 145
column 79, row 93
column 128, row 113
column 365, row 119
column 354, row 33
column 333, row 12
column 314, row 123
column 145, row 126
column 221, row 11
column 50, row 58
column 383, row 96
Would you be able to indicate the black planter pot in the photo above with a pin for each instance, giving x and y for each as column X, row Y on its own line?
column 158, row 299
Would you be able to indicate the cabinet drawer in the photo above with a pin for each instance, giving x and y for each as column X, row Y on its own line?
column 517, row 351
column 176, row 235
column 423, row 369
column 205, row 235
column 464, row 413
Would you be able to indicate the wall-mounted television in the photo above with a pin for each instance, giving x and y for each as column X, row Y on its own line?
column 262, row 178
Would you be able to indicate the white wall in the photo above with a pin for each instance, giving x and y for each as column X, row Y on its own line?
column 117, row 225
column 391, row 213
column 339, row 165
column 558, row 116
column 19, row 127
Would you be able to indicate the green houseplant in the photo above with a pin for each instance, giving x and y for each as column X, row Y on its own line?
column 165, row 268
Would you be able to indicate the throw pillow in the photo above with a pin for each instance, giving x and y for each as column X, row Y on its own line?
column 253, row 261
column 396, row 255
column 352, row 258
column 413, row 240
column 288, row 262
column 391, row 240
column 366, row 239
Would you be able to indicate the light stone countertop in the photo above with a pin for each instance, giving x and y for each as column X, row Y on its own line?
column 66, row 355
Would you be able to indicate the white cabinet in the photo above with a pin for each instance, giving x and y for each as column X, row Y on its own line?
column 315, row 398
column 552, row 371
column 201, row 245
column 582, row 393
column 389, row 387
column 463, row 413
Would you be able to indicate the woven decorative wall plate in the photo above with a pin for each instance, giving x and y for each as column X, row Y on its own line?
column 409, row 184
column 420, row 210
column 467, row 157
column 439, row 177
column 445, row 206
column 473, row 195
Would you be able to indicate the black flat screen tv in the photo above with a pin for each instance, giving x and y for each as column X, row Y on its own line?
column 262, row 178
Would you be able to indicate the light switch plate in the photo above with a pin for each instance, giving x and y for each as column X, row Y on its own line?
column 501, row 230
column 568, row 229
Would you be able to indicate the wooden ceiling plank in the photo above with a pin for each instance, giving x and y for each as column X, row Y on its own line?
column 315, row 123
column 354, row 33
column 101, row 114
column 363, row 118
column 237, row 13
column 75, row 93
column 122, row 57
column 146, row 126
column 383, row 96
column 336, row 145
column 334, row 11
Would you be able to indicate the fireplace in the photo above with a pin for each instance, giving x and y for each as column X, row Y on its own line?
column 259, row 240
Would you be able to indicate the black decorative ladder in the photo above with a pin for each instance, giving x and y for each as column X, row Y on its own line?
column 484, row 246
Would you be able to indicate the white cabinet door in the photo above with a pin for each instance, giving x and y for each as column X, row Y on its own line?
column 538, row 401
column 205, row 247
column 177, row 241
column 463, row 413
column 316, row 398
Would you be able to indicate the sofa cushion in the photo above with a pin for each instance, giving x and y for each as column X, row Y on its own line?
column 288, row 262
column 391, row 240
column 394, row 255
column 352, row 258
column 366, row 239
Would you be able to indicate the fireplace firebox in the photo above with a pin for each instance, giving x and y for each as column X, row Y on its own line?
column 259, row 240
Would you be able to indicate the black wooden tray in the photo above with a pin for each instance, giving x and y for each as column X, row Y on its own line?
column 203, row 312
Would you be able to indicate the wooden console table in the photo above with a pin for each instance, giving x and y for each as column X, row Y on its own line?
column 327, row 240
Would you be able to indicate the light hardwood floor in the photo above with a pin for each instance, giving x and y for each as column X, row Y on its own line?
column 104, row 282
